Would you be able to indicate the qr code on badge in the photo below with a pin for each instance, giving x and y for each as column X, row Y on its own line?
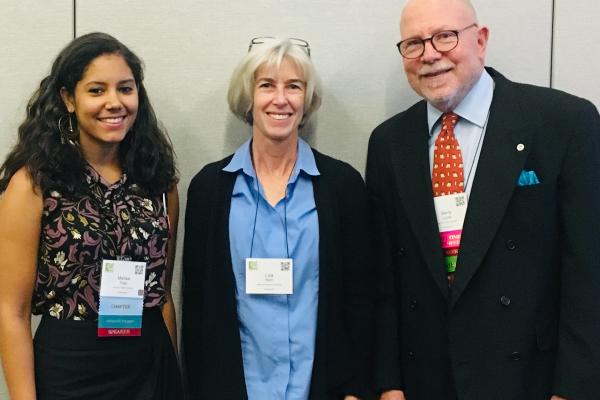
column 460, row 201
column 285, row 265
column 139, row 269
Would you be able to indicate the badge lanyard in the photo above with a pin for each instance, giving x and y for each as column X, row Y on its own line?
column 164, row 199
column 257, row 200
column 479, row 142
column 270, row 275
column 477, row 150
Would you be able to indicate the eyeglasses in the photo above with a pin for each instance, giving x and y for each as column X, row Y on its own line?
column 266, row 39
column 443, row 41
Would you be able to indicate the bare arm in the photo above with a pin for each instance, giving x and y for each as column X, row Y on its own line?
column 168, row 309
column 20, row 224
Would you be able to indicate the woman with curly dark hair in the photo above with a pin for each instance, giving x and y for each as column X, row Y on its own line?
column 88, row 219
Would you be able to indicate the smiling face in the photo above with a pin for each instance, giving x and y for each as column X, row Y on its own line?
column 443, row 79
column 278, row 101
column 105, row 102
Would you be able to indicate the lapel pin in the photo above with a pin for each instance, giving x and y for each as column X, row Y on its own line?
column 520, row 147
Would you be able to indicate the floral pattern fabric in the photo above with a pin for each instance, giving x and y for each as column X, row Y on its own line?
column 112, row 221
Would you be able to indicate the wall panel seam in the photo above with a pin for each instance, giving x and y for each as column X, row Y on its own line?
column 552, row 29
column 74, row 19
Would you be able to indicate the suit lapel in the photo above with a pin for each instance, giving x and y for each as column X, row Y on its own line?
column 505, row 148
column 414, row 185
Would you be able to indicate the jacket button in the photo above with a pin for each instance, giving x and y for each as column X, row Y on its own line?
column 401, row 251
column 413, row 304
column 511, row 245
column 515, row 356
column 411, row 355
column 505, row 301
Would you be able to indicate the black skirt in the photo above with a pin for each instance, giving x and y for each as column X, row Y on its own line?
column 72, row 362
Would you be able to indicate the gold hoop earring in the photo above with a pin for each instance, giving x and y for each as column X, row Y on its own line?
column 67, row 133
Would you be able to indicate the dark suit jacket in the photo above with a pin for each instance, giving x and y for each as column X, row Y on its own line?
column 522, row 319
column 210, row 332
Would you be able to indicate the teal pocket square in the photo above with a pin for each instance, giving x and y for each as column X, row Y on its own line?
column 527, row 178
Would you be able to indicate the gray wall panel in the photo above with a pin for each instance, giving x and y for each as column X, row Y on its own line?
column 576, row 44
column 32, row 32
column 520, row 37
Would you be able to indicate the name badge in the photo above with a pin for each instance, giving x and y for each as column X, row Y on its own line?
column 450, row 211
column 121, row 298
column 269, row 276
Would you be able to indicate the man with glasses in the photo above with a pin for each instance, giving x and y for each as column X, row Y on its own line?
column 486, row 199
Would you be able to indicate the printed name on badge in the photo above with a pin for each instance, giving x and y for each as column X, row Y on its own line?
column 269, row 276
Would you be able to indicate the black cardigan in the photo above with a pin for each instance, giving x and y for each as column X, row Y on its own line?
column 211, row 348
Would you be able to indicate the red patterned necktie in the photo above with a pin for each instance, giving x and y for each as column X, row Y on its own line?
column 447, row 175
column 447, row 178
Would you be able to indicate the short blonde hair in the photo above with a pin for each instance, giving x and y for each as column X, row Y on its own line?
column 240, row 94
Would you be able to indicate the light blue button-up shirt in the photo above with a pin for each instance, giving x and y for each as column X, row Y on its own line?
column 473, row 111
column 277, row 332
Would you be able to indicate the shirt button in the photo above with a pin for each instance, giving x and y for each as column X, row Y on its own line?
column 411, row 355
column 505, row 301
column 511, row 245
column 515, row 356
column 413, row 304
column 401, row 251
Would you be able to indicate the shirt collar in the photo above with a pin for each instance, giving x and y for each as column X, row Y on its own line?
column 473, row 108
column 242, row 160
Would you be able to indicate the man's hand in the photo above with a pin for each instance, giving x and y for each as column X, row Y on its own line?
column 557, row 398
column 394, row 395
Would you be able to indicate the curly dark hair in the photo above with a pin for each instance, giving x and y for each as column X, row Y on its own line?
column 146, row 153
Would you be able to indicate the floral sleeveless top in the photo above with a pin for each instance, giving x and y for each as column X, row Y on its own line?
column 117, row 221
